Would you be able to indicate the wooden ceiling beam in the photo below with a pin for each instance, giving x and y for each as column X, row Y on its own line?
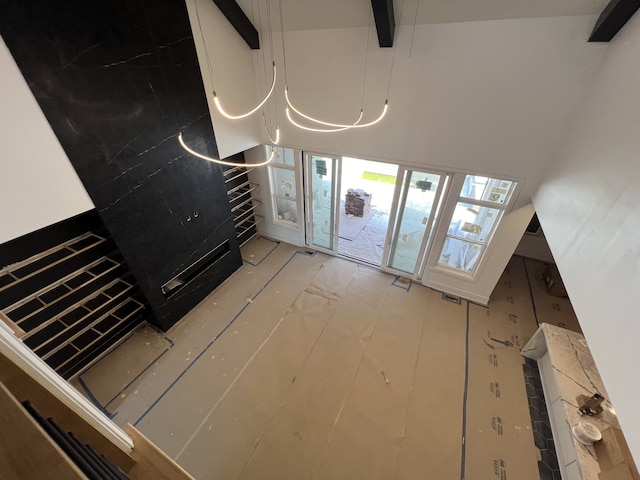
column 385, row 21
column 612, row 19
column 240, row 22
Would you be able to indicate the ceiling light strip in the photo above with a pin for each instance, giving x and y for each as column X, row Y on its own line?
column 337, row 125
column 216, row 101
column 266, row 129
column 312, row 129
column 223, row 162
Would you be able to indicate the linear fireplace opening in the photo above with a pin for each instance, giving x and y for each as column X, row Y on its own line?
column 195, row 269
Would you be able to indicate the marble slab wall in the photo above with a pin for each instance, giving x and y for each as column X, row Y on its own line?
column 117, row 80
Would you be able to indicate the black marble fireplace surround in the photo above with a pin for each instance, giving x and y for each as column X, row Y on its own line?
column 117, row 80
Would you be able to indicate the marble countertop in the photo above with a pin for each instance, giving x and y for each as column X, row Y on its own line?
column 575, row 374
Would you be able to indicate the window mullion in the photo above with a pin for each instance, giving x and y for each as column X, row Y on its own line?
column 482, row 203
column 465, row 239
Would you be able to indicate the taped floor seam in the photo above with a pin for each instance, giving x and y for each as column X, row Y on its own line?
column 90, row 394
column 277, row 244
column 215, row 338
column 231, row 385
column 533, row 301
column 124, row 389
column 406, row 411
column 92, row 397
column 464, row 400
column 311, row 350
column 355, row 375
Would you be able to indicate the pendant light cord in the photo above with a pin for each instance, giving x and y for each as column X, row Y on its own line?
column 264, row 59
column 270, row 32
column 395, row 48
column 284, row 50
column 413, row 34
column 204, row 42
column 366, row 58
column 275, row 140
column 338, row 127
column 207, row 157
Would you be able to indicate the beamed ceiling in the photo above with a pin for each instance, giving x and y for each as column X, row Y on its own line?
column 321, row 14
column 296, row 15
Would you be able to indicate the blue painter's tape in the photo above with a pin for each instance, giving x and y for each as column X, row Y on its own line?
column 182, row 374
column 86, row 387
column 276, row 244
column 396, row 284
column 92, row 397
column 139, row 375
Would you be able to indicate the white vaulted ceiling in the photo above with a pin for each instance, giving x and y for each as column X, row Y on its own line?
column 322, row 14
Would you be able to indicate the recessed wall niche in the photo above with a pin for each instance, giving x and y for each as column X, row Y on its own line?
column 117, row 80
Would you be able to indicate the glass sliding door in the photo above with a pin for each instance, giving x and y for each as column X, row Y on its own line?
column 321, row 194
column 365, row 205
column 417, row 206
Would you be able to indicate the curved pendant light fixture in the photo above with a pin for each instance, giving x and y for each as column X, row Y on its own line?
column 216, row 101
column 266, row 129
column 339, row 126
column 221, row 110
column 313, row 129
column 223, row 162
column 328, row 124
column 334, row 127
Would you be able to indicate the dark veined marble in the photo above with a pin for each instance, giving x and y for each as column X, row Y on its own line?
column 117, row 80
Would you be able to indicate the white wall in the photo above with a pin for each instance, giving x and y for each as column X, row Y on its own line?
column 229, row 70
column 589, row 208
column 488, row 97
column 39, row 186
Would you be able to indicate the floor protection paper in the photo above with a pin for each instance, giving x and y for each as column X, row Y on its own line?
column 310, row 366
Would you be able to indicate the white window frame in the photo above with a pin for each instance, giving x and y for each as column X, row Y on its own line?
column 296, row 194
column 447, row 215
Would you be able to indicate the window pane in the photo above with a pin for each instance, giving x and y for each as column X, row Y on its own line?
column 287, row 210
column 459, row 254
column 322, row 200
column 284, row 156
column 284, row 182
column 473, row 222
column 487, row 189
column 289, row 158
